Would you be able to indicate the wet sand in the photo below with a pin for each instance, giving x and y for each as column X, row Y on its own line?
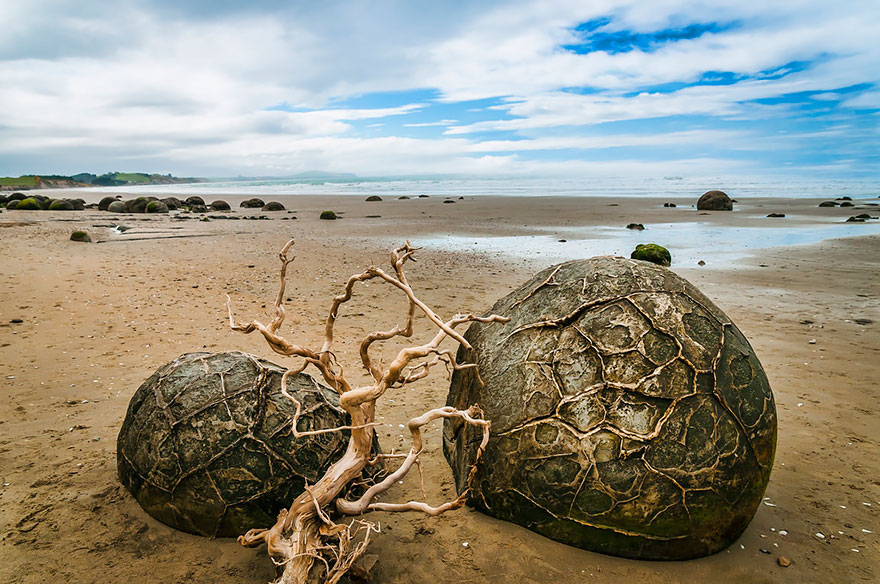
column 98, row 319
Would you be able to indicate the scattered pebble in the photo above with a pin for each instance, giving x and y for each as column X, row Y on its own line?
column 820, row 535
column 763, row 550
column 812, row 341
column 783, row 561
column 465, row 544
column 16, row 321
column 783, row 532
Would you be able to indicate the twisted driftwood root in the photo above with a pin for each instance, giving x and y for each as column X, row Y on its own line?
column 305, row 541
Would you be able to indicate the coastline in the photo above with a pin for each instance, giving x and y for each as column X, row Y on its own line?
column 99, row 319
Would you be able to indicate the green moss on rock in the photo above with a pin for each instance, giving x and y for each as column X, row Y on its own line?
column 29, row 204
column 61, row 205
column 329, row 215
column 651, row 252
column 81, row 236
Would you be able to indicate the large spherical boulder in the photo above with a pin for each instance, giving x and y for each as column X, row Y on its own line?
column 715, row 201
column 156, row 207
column 117, row 207
column 254, row 203
column 220, row 206
column 62, row 205
column 206, row 445
column 272, row 206
column 195, row 200
column 629, row 415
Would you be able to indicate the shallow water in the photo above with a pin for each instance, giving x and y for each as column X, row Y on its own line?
column 688, row 242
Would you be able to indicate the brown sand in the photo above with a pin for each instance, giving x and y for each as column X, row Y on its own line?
column 99, row 319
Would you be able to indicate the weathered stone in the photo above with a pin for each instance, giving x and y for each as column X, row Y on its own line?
column 156, row 207
column 273, row 206
column 629, row 414
column 329, row 215
column 105, row 203
column 61, row 205
column 827, row 204
column 651, row 252
column 206, row 445
column 117, row 207
column 220, row 206
column 252, row 203
column 373, row 198
column 195, row 200
column 714, row 201
column 80, row 236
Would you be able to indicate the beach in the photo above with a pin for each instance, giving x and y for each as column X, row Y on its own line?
column 98, row 319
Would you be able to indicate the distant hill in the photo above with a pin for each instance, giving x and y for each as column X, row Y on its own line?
column 84, row 179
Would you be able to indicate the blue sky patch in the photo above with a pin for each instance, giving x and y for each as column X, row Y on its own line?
column 622, row 41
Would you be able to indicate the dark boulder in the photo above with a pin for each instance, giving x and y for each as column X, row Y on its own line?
column 827, row 204
column 62, row 205
column 105, row 202
column 714, row 201
column 206, row 445
column 273, row 206
column 253, row 204
column 651, row 252
column 173, row 203
column 328, row 215
column 629, row 415
column 80, row 236
column 117, row 207
column 195, row 200
column 373, row 198
column 220, row 206
column 156, row 207
column 636, row 226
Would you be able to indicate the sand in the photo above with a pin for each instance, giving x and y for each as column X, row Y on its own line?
column 98, row 319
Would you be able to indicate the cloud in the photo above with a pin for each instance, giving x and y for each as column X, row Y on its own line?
column 191, row 86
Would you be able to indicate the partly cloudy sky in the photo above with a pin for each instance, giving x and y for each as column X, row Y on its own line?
column 584, row 87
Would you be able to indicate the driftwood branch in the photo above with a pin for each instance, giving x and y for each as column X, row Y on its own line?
column 305, row 538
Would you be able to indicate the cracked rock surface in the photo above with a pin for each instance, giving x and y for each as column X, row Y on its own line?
column 629, row 414
column 206, row 445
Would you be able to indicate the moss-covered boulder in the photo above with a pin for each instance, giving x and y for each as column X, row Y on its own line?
column 206, row 445
column 629, row 415
column 328, row 215
column 104, row 203
column 117, row 207
column 273, row 206
column 715, row 201
column 29, row 204
column 156, row 207
column 62, row 205
column 651, row 252
column 80, row 236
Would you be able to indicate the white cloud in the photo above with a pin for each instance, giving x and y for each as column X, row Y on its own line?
column 187, row 86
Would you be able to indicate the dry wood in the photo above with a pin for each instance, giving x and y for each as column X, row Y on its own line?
column 305, row 541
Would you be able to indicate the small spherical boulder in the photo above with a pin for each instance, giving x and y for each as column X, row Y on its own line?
column 156, row 207
column 715, row 201
column 80, row 236
column 629, row 415
column 273, row 206
column 373, row 198
column 105, row 203
column 328, row 215
column 195, row 200
column 252, row 203
column 61, row 205
column 651, row 252
column 29, row 204
column 206, row 445
column 220, row 206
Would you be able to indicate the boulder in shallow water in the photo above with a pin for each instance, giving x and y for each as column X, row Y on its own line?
column 651, row 252
column 629, row 414
column 714, row 201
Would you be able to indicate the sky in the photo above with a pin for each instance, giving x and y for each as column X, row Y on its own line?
column 223, row 88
